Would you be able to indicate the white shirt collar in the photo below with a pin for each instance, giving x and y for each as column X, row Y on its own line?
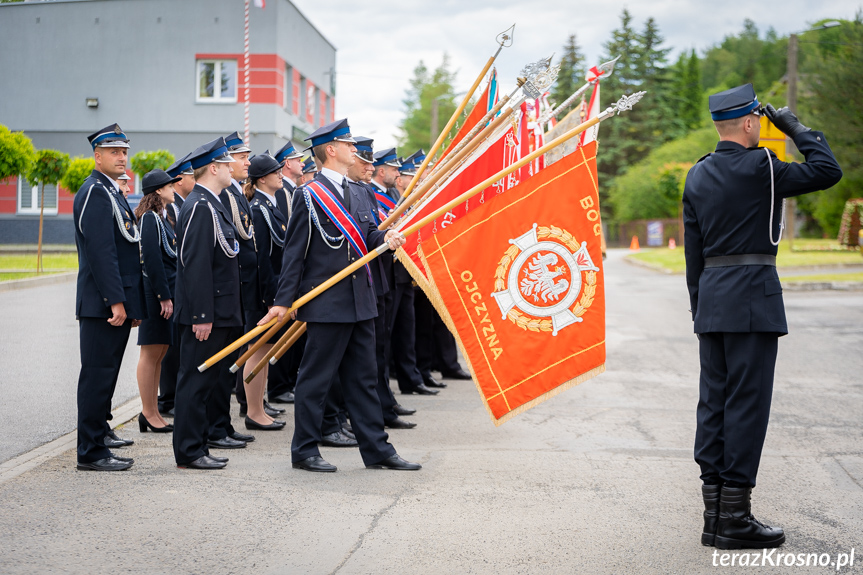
column 237, row 185
column 290, row 184
column 209, row 190
column 380, row 186
column 113, row 182
column 268, row 196
column 335, row 177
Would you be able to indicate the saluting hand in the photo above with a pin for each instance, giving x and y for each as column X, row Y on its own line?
column 394, row 239
column 202, row 331
column 118, row 317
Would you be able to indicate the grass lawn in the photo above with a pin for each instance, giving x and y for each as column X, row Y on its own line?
column 7, row 276
column 806, row 253
column 53, row 262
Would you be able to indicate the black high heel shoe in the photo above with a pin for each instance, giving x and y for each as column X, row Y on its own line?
column 143, row 424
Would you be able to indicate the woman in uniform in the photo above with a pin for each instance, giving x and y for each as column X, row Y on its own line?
column 159, row 261
column 270, row 227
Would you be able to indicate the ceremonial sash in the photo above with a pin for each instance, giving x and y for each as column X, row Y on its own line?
column 385, row 205
column 340, row 217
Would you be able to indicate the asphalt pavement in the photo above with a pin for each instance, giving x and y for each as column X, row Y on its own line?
column 599, row 479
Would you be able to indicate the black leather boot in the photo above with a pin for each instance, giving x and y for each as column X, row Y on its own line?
column 738, row 529
column 710, row 493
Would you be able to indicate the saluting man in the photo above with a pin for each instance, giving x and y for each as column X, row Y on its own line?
column 331, row 227
column 110, row 295
column 208, row 307
column 733, row 207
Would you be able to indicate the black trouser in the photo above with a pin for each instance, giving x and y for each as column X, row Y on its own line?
column 445, row 351
column 219, row 404
column 424, row 313
column 168, row 375
column 102, row 346
column 403, row 338
column 345, row 350
column 382, row 344
column 194, row 389
column 735, row 390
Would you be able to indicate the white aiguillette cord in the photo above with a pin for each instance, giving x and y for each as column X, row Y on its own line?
column 772, row 201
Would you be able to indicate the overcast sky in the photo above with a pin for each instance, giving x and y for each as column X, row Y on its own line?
column 380, row 42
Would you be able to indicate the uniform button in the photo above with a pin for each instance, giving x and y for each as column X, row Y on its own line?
column 354, row 276
column 194, row 317
column 218, row 291
column 158, row 295
column 818, row 138
column 106, row 299
column 203, row 315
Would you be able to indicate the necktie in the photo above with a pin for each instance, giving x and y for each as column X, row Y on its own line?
column 346, row 195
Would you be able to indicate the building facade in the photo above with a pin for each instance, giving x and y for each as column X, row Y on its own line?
column 170, row 72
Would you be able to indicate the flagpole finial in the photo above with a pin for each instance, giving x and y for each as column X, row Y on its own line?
column 608, row 67
column 538, row 77
column 626, row 102
column 505, row 37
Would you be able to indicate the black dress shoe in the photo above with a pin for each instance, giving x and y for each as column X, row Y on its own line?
column 274, row 426
column 203, row 462
column 107, row 464
column 399, row 423
column 225, row 443
column 347, row 425
column 217, row 458
column 348, row 433
column 168, row 413
column 275, row 410
column 421, row 389
column 314, row 463
column 402, row 410
column 287, row 397
column 143, row 425
column 338, row 439
column 112, row 443
column 432, row 382
column 124, row 459
column 241, row 436
column 244, row 409
column 457, row 374
column 113, row 436
column 397, row 463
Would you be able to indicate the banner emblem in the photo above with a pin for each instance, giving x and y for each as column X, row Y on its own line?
column 545, row 281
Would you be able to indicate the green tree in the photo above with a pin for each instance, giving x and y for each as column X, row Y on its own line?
column 571, row 75
column 688, row 94
column 144, row 162
column 78, row 171
column 743, row 58
column 16, row 153
column 425, row 88
column 831, row 100
column 47, row 168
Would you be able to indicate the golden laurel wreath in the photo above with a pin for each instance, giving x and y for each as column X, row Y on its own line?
column 578, row 309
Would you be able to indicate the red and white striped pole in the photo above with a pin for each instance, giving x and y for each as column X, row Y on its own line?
column 246, row 76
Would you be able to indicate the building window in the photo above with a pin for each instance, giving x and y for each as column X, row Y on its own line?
column 311, row 107
column 303, row 101
column 288, row 89
column 29, row 200
column 217, row 81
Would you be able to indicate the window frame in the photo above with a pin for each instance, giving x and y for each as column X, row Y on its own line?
column 33, row 210
column 216, row 99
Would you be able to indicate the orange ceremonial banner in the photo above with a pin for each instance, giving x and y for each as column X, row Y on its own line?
column 521, row 279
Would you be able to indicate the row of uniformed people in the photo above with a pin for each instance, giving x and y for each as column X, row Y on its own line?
column 205, row 420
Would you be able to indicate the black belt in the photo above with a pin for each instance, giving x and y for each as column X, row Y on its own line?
column 740, row 260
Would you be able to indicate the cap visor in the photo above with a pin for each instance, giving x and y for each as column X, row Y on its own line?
column 226, row 159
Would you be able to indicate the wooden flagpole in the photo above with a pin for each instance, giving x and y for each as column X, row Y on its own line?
column 625, row 103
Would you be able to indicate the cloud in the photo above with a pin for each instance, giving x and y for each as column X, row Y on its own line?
column 380, row 43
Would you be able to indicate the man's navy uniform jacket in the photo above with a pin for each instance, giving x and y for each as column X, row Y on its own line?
column 309, row 261
column 109, row 269
column 208, row 281
column 248, row 257
column 726, row 211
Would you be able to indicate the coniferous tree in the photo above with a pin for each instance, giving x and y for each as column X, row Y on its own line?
column 425, row 87
column 571, row 75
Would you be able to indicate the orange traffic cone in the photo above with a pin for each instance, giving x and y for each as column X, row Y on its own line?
column 633, row 245
column 671, row 243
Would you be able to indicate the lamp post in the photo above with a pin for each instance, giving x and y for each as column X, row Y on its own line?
column 791, row 77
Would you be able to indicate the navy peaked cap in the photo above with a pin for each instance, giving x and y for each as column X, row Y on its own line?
column 733, row 103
